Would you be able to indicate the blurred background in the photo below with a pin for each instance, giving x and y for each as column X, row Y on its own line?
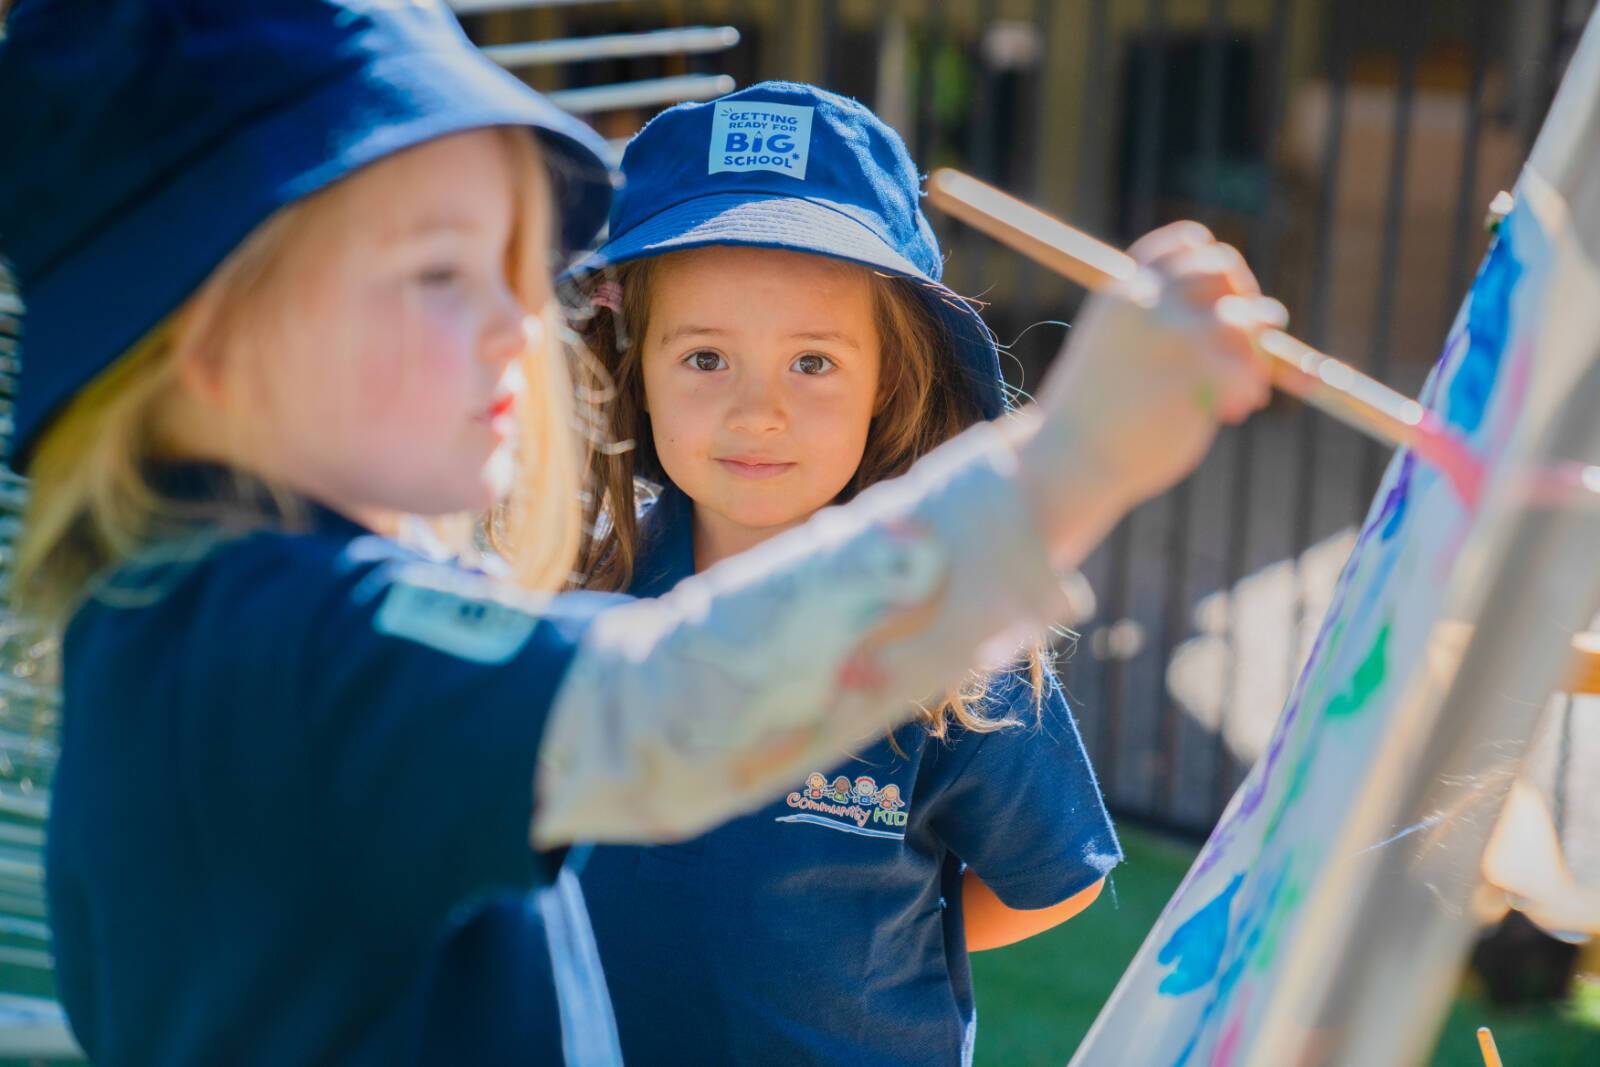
column 1349, row 147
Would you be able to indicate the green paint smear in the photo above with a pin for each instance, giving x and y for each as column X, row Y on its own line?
column 1368, row 677
column 1267, row 948
column 1302, row 742
column 1318, row 683
column 1297, row 785
column 1349, row 700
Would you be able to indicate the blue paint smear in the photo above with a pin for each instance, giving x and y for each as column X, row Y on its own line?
column 1250, row 928
column 1394, row 505
column 1488, row 330
column 1196, row 946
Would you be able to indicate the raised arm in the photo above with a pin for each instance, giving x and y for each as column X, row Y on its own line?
column 679, row 713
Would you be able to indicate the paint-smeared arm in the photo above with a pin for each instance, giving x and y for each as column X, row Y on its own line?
column 682, row 712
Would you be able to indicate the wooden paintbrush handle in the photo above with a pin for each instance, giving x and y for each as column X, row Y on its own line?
column 1320, row 380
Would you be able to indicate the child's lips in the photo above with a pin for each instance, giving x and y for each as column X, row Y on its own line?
column 500, row 416
column 754, row 466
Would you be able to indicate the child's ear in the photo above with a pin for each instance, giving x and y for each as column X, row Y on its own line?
column 197, row 351
column 882, row 402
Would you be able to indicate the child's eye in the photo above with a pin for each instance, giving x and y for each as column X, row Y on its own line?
column 438, row 276
column 812, row 364
column 706, row 360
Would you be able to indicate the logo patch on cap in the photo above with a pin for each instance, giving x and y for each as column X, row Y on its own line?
column 748, row 135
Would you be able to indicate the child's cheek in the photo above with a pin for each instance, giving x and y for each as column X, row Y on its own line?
column 425, row 350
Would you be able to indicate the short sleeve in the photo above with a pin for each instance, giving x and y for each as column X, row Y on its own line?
column 391, row 719
column 1024, row 810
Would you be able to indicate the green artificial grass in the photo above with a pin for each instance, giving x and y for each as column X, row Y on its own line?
column 1037, row 999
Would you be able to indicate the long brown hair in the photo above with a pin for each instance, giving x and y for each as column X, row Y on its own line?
column 923, row 403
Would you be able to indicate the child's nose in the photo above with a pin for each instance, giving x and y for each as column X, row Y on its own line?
column 757, row 406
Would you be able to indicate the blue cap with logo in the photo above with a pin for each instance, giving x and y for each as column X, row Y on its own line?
column 149, row 137
column 790, row 166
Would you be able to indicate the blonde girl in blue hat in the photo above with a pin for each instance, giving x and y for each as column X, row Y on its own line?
column 279, row 259
column 769, row 306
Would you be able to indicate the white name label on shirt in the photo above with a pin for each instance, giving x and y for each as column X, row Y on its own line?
column 468, row 627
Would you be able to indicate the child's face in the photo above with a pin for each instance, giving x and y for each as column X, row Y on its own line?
column 389, row 383
column 761, row 378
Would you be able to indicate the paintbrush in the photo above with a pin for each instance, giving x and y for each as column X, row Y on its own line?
column 1330, row 386
column 1486, row 1045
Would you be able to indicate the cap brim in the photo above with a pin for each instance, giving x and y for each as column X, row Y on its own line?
column 795, row 224
column 101, row 300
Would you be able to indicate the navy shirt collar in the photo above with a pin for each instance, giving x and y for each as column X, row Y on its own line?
column 666, row 544
column 198, row 482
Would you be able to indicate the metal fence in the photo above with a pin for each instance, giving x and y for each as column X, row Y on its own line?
column 1349, row 148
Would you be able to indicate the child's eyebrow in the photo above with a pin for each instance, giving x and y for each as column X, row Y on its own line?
column 691, row 330
column 826, row 335
column 668, row 336
column 428, row 225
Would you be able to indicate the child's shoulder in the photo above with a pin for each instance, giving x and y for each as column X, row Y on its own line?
column 212, row 578
column 1031, row 695
column 1026, row 727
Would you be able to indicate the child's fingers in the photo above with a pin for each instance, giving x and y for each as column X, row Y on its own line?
column 1241, row 383
column 1170, row 240
column 1231, row 389
column 1204, row 275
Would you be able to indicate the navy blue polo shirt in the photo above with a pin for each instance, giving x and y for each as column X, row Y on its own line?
column 826, row 927
column 290, row 819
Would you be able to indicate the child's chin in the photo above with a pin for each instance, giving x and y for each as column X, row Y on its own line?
column 771, row 518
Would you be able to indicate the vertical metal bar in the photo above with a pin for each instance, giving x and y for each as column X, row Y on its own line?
column 1175, row 609
column 1152, row 81
column 894, row 48
column 1317, row 315
column 985, row 148
column 1467, row 208
column 1552, row 66
column 1045, row 127
column 1092, row 162
column 1263, row 256
column 1174, row 624
column 1153, row 86
column 1394, row 217
column 973, row 255
column 827, row 33
column 935, row 23
column 927, row 52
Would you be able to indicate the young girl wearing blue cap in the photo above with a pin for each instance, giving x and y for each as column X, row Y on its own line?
column 769, row 306
column 277, row 323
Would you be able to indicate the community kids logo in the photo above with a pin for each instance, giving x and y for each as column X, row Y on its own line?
column 749, row 135
column 857, row 807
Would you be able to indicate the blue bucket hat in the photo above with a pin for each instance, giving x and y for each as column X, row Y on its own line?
column 789, row 166
column 147, row 138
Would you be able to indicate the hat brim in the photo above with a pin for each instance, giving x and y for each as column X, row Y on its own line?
column 139, row 267
column 812, row 227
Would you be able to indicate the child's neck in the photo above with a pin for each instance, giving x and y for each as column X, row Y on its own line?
column 715, row 539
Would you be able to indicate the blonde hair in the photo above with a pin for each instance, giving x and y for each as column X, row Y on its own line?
column 93, row 504
column 923, row 403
